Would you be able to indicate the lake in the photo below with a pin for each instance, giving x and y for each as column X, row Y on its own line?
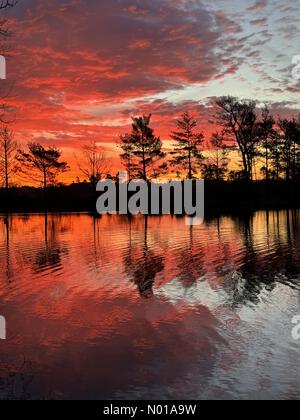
column 149, row 308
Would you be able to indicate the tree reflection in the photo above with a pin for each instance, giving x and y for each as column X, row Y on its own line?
column 270, row 255
column 8, row 271
column 50, row 255
column 189, row 260
column 141, row 263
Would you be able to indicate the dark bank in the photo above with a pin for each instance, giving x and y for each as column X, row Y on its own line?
column 220, row 197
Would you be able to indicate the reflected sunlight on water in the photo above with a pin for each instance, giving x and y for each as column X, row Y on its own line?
column 149, row 307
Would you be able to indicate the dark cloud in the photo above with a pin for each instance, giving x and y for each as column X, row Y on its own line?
column 259, row 22
column 258, row 5
column 81, row 68
column 117, row 47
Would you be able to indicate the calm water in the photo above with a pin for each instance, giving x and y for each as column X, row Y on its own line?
column 152, row 308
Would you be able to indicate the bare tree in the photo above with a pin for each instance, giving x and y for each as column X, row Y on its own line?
column 290, row 130
column 44, row 161
column 216, row 162
column 238, row 117
column 267, row 134
column 6, row 4
column 93, row 163
column 4, row 33
column 127, row 155
column 276, row 153
column 8, row 152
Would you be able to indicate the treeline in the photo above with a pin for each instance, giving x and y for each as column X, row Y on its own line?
column 268, row 148
column 264, row 143
column 41, row 165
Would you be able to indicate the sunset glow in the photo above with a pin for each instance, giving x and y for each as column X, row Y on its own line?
column 79, row 70
column 149, row 203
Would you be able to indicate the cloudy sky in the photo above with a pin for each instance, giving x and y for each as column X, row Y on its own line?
column 78, row 69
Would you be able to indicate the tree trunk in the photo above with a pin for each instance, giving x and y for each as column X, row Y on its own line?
column 144, row 165
column 6, row 174
column 267, row 163
column 6, row 165
column 45, row 180
column 218, row 169
column 190, row 166
column 129, row 168
column 294, row 161
column 245, row 163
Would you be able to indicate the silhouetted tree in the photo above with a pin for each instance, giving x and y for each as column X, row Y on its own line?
column 187, row 153
column 8, row 152
column 290, row 147
column 146, row 148
column 276, row 156
column 6, row 4
column 93, row 164
column 216, row 163
column 42, row 160
column 128, row 157
column 4, row 33
column 236, row 175
column 238, row 117
column 267, row 135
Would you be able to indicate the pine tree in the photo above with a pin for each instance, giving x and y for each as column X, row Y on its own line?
column 187, row 154
column 127, row 157
column 142, row 149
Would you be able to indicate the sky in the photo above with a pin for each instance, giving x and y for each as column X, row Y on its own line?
column 79, row 69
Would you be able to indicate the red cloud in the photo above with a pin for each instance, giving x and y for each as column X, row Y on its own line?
column 79, row 71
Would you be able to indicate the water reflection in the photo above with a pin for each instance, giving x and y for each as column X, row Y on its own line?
column 189, row 259
column 50, row 255
column 16, row 384
column 141, row 263
column 269, row 256
column 7, row 270
column 148, row 307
